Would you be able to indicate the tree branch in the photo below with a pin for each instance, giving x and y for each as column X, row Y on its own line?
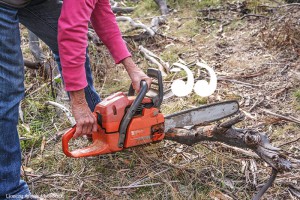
column 242, row 138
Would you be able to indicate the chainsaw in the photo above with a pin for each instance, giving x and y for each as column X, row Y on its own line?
column 125, row 120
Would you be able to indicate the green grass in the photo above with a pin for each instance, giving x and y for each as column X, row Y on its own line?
column 145, row 8
column 296, row 95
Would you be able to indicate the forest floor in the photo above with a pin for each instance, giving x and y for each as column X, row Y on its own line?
column 254, row 48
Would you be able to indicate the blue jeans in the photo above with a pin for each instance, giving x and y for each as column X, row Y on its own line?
column 41, row 19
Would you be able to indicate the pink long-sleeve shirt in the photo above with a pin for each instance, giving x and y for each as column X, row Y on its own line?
column 72, row 37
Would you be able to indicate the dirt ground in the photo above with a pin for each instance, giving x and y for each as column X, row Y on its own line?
column 254, row 48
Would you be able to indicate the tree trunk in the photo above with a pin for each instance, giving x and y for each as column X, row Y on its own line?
column 162, row 6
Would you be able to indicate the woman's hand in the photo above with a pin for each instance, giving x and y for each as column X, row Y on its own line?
column 86, row 122
column 136, row 74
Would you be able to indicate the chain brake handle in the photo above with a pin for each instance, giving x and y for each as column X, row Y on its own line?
column 156, row 74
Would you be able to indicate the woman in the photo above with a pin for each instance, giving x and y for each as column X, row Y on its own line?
column 41, row 17
column 72, row 42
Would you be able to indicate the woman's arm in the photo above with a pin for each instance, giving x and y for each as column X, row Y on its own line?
column 72, row 42
column 72, row 39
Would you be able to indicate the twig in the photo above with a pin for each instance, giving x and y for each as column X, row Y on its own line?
column 291, row 119
column 144, row 185
column 254, row 15
column 21, row 114
column 255, row 74
column 153, row 58
column 103, row 84
column 38, row 89
column 239, row 82
column 258, row 102
column 147, row 177
column 56, row 136
column 233, row 121
column 247, row 153
column 290, row 4
column 36, row 179
column 24, row 173
column 122, row 9
column 41, row 87
column 64, row 109
column 267, row 185
column 290, row 142
column 63, row 189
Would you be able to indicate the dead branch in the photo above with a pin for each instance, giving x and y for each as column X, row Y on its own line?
column 238, row 82
column 267, row 185
column 139, row 186
column 32, row 65
column 242, row 151
column 156, row 22
column 34, row 46
column 291, row 119
column 241, row 138
column 162, row 66
column 290, row 142
column 258, row 102
column 122, row 9
column 64, row 109
column 254, row 15
column 136, row 24
column 162, row 6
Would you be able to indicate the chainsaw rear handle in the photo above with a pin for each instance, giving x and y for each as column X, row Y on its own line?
column 130, row 112
column 157, row 100
column 96, row 148
column 65, row 141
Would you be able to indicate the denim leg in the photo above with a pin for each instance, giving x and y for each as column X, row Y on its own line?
column 11, row 93
column 42, row 19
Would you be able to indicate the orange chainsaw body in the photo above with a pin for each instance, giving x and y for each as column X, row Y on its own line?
column 146, row 126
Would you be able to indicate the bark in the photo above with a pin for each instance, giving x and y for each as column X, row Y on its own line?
column 122, row 9
column 162, row 6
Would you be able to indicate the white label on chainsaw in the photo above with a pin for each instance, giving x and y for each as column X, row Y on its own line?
column 201, row 87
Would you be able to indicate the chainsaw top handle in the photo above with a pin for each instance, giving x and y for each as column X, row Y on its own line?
column 130, row 112
column 156, row 74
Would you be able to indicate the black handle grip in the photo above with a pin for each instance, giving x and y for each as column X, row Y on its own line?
column 130, row 112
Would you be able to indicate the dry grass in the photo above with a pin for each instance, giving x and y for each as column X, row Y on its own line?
column 282, row 31
column 182, row 172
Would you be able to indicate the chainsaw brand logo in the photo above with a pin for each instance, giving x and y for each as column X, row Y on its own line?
column 201, row 87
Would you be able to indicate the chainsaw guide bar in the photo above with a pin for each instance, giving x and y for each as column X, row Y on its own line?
column 203, row 114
